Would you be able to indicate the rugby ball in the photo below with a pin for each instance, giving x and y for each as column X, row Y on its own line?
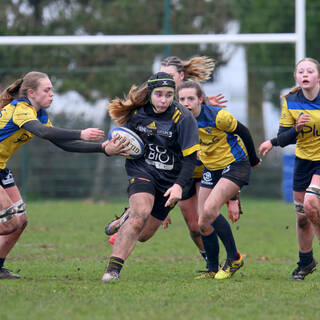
column 135, row 142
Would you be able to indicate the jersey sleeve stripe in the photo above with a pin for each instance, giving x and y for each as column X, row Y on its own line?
column 194, row 148
column 176, row 116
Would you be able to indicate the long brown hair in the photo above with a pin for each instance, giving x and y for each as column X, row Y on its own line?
column 20, row 87
column 121, row 110
column 196, row 68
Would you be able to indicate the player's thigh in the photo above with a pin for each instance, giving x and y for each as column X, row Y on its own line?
column 189, row 209
column 202, row 197
column 141, row 204
column 223, row 191
column 14, row 194
column 5, row 200
column 150, row 228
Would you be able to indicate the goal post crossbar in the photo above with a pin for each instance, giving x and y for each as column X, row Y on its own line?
column 149, row 39
column 297, row 38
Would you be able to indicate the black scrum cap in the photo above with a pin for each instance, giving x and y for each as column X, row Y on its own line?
column 160, row 80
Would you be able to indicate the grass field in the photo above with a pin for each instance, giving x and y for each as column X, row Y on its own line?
column 63, row 254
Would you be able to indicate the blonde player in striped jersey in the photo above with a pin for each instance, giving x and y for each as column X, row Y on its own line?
column 300, row 124
column 23, row 115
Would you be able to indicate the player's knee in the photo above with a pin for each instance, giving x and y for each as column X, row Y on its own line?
column 8, row 224
column 22, row 222
column 144, row 238
column 210, row 213
column 195, row 233
column 204, row 226
column 138, row 219
column 21, row 215
column 137, row 223
column 310, row 204
column 299, row 208
column 302, row 222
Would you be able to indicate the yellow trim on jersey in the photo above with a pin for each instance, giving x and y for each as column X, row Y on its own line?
column 176, row 116
column 194, row 148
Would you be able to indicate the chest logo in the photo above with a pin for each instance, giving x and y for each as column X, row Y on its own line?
column 152, row 126
column 23, row 138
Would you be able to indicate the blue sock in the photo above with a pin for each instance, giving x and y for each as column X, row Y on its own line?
column 2, row 260
column 223, row 229
column 305, row 258
column 211, row 245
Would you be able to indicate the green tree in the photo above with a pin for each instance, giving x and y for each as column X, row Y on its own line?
column 272, row 64
column 98, row 71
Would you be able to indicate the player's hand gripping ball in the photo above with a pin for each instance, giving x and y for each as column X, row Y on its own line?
column 135, row 142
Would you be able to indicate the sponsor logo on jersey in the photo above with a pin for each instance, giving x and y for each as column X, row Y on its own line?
column 154, row 131
column 212, row 141
column 23, row 138
column 314, row 131
column 159, row 157
column 152, row 125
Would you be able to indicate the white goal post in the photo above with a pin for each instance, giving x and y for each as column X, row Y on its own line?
column 298, row 38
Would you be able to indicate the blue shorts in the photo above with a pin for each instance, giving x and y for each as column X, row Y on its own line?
column 237, row 172
column 303, row 172
column 6, row 178
column 159, row 211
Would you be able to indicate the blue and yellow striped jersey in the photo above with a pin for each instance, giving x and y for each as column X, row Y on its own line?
column 308, row 140
column 12, row 117
column 218, row 145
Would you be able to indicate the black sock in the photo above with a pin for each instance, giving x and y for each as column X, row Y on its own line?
column 305, row 258
column 115, row 264
column 223, row 229
column 211, row 245
column 2, row 260
column 204, row 254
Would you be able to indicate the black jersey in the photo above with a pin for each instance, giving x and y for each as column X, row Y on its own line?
column 168, row 137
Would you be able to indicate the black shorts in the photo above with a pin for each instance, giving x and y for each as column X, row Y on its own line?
column 191, row 189
column 159, row 211
column 6, row 178
column 303, row 172
column 237, row 172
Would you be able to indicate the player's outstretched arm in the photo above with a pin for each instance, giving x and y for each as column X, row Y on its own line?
column 54, row 133
column 265, row 147
column 92, row 134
